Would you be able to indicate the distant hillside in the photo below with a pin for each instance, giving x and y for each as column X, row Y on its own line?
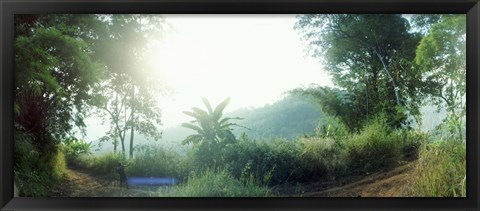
column 286, row 118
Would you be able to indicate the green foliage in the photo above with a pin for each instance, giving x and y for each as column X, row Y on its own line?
column 372, row 149
column 73, row 148
column 218, row 183
column 154, row 161
column 441, row 56
column 54, row 75
column 441, row 170
column 334, row 102
column 106, row 163
column 127, row 98
column 55, row 72
column 332, row 128
column 322, row 158
column 213, row 133
column 370, row 58
column 411, row 139
column 287, row 118
column 277, row 157
column 34, row 174
column 210, row 128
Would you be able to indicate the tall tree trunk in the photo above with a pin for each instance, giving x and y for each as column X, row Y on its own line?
column 115, row 146
column 115, row 142
column 123, row 147
column 395, row 87
column 120, row 137
column 124, row 130
column 366, row 84
column 132, row 117
column 131, row 140
column 366, row 93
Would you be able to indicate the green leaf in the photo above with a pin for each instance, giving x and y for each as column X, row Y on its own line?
column 193, row 127
column 217, row 114
column 207, row 104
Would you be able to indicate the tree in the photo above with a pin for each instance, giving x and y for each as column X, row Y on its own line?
column 128, row 96
column 334, row 102
column 441, row 56
column 374, row 50
column 55, row 72
column 213, row 131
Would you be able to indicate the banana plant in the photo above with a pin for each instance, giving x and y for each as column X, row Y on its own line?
column 211, row 128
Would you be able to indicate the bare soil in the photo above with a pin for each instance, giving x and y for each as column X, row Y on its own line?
column 393, row 183
column 79, row 183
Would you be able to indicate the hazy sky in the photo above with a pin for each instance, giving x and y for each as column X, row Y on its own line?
column 252, row 59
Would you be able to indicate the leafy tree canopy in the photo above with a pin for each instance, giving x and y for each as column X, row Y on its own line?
column 371, row 57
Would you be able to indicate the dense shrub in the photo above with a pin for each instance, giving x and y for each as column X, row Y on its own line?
column 372, row 149
column 276, row 156
column 410, row 140
column 73, row 148
column 106, row 163
column 321, row 157
column 155, row 161
column 36, row 174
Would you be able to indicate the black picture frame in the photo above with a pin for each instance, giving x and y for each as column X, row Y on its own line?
column 10, row 7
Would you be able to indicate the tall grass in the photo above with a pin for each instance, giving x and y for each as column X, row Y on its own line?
column 248, row 166
column 217, row 183
column 36, row 173
column 375, row 148
column 321, row 157
column 151, row 160
column 441, row 170
column 106, row 163
column 281, row 157
column 372, row 149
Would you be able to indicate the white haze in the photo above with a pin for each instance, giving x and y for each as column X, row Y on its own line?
column 252, row 59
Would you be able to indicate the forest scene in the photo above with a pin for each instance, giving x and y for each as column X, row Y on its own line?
column 309, row 105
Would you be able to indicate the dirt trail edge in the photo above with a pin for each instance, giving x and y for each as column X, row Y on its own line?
column 394, row 183
column 79, row 183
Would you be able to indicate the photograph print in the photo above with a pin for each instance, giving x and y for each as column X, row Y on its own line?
column 293, row 105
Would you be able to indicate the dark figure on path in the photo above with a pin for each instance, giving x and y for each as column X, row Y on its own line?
column 123, row 176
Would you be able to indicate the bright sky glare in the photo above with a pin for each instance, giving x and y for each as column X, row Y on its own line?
column 252, row 59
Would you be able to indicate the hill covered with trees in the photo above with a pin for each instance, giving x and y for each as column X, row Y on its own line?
column 287, row 118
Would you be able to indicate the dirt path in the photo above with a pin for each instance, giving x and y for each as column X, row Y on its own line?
column 394, row 183
column 79, row 183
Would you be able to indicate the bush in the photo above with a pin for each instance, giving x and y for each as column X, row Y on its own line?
column 219, row 183
column 151, row 160
column 372, row 149
column 321, row 157
column 36, row 174
column 73, row 148
column 410, row 140
column 441, row 170
column 58, row 165
column 278, row 157
column 107, row 163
